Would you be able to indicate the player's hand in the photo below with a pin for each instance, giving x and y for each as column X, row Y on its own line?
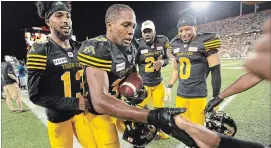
column 158, row 64
column 139, row 97
column 163, row 118
column 212, row 104
column 83, row 103
column 168, row 95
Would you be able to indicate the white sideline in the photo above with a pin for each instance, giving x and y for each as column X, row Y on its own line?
column 40, row 113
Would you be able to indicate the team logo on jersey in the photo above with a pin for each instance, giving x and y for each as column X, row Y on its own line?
column 89, row 49
column 193, row 49
column 185, row 45
column 144, row 51
column 152, row 46
column 120, row 66
column 176, row 50
column 160, row 48
column 130, row 57
column 70, row 54
column 60, row 61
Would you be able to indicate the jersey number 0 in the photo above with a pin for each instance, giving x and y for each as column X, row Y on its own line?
column 185, row 67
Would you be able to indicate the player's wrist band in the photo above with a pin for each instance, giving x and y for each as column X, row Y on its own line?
column 169, row 86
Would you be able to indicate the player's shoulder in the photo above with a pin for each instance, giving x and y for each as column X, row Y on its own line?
column 39, row 48
column 174, row 40
column 95, row 52
column 98, row 47
column 140, row 41
column 162, row 38
column 208, row 36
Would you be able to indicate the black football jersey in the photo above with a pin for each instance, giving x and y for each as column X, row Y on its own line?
column 147, row 55
column 192, row 63
column 101, row 53
column 55, row 79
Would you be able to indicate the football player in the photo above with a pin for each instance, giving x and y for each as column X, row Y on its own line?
column 195, row 55
column 151, row 56
column 54, row 78
column 109, row 59
column 257, row 66
column 259, row 69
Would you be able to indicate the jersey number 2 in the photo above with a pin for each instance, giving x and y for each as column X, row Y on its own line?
column 148, row 67
column 185, row 67
column 66, row 78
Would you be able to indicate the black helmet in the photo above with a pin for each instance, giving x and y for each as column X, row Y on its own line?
column 138, row 134
column 220, row 122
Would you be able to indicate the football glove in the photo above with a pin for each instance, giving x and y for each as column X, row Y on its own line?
column 163, row 118
column 212, row 103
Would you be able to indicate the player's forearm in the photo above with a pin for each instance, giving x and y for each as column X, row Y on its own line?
column 174, row 76
column 243, row 83
column 57, row 103
column 203, row 136
column 216, row 79
column 109, row 105
column 13, row 77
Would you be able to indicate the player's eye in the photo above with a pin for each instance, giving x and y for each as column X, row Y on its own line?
column 126, row 25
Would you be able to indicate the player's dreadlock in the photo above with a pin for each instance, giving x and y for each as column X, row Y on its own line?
column 44, row 8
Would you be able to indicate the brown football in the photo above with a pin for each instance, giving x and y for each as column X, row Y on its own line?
column 130, row 84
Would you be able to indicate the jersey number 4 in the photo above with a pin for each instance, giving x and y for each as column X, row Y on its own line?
column 185, row 67
column 66, row 78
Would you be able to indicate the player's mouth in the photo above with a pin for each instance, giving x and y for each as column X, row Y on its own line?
column 66, row 29
column 127, row 41
column 147, row 39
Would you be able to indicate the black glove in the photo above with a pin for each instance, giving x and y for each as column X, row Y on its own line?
column 212, row 103
column 163, row 118
column 139, row 97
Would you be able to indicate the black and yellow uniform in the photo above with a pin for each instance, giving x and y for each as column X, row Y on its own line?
column 54, row 81
column 152, row 78
column 101, row 53
column 192, row 65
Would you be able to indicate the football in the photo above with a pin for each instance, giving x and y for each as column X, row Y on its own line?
column 130, row 84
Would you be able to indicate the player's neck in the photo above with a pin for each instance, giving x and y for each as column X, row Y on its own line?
column 64, row 44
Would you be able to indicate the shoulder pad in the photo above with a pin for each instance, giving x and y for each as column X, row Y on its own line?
column 37, row 56
column 174, row 39
column 208, row 36
column 210, row 40
column 96, row 53
column 163, row 38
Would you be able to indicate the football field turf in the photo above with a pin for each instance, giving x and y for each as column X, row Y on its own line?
column 250, row 110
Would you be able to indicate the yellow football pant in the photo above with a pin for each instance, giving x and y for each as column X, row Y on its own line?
column 104, row 130
column 61, row 134
column 195, row 108
column 156, row 94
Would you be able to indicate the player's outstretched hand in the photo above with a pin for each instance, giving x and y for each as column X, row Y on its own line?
column 163, row 118
column 212, row 103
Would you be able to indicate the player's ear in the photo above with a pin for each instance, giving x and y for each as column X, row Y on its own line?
column 48, row 23
column 109, row 26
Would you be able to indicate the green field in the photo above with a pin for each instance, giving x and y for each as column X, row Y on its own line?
column 251, row 111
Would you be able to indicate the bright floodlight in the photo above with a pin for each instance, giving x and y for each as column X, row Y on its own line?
column 199, row 5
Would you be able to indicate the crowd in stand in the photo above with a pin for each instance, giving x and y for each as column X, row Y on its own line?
column 238, row 34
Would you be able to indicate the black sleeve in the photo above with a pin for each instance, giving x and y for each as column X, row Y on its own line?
column 212, row 43
column 36, row 66
column 216, row 79
column 166, row 56
column 230, row 142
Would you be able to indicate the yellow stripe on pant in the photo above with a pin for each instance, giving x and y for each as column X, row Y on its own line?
column 156, row 94
column 61, row 134
column 195, row 108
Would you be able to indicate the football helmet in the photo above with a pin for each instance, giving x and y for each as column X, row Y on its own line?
column 220, row 122
column 138, row 134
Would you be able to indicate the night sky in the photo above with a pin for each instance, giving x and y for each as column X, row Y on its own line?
column 88, row 19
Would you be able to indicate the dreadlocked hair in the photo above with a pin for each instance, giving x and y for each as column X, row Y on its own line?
column 45, row 6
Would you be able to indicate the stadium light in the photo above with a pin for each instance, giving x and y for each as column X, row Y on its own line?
column 199, row 5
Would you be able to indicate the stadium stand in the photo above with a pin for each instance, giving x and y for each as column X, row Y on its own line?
column 238, row 34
